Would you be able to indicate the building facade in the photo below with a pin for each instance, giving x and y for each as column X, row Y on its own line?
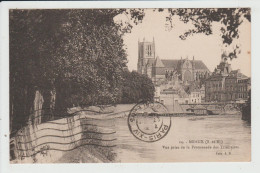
column 195, row 97
column 226, row 85
column 202, row 92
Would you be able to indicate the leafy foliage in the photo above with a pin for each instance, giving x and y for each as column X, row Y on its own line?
column 203, row 18
column 77, row 52
column 136, row 87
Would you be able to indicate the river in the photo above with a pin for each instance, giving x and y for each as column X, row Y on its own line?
column 228, row 132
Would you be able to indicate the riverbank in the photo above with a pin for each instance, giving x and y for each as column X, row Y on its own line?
column 103, row 112
column 122, row 110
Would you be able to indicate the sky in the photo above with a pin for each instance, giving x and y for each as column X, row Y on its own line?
column 170, row 46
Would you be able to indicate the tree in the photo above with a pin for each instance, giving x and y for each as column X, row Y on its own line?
column 136, row 87
column 203, row 19
column 77, row 53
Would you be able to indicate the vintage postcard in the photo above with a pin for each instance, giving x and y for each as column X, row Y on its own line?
column 124, row 85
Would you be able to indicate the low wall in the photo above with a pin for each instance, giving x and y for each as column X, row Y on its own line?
column 47, row 142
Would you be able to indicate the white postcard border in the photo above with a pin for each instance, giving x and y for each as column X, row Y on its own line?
column 253, row 166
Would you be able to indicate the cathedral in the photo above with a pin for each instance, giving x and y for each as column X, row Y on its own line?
column 184, row 70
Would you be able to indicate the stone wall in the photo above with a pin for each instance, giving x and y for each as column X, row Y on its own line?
column 47, row 142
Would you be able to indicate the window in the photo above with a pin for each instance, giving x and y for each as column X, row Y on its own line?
column 149, row 50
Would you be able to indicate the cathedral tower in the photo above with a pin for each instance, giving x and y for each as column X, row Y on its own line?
column 146, row 51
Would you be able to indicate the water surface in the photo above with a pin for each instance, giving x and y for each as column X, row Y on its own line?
column 225, row 130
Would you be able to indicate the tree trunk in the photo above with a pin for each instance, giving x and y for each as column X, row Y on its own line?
column 60, row 99
column 37, row 112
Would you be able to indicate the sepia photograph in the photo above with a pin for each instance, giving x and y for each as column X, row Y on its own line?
column 129, row 85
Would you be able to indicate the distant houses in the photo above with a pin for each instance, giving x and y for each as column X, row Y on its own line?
column 226, row 85
column 189, row 81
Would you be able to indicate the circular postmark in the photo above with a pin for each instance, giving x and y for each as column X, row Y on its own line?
column 149, row 122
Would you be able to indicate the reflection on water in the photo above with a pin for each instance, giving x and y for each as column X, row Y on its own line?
column 228, row 128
